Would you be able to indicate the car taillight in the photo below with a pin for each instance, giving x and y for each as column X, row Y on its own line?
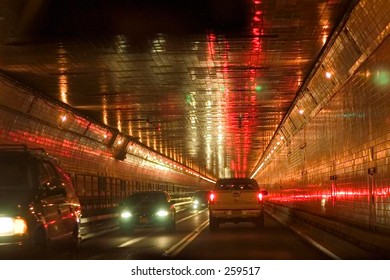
column 259, row 197
column 211, row 198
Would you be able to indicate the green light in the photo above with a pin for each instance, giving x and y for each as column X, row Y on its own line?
column 382, row 78
column 188, row 99
column 259, row 88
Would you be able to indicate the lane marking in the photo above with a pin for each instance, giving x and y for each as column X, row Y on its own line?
column 191, row 216
column 177, row 248
column 127, row 243
column 133, row 241
column 316, row 244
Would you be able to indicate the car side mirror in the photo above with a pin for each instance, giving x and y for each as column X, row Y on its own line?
column 264, row 192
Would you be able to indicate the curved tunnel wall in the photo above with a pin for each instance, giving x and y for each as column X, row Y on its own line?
column 85, row 149
column 338, row 164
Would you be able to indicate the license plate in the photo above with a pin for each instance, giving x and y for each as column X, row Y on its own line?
column 143, row 220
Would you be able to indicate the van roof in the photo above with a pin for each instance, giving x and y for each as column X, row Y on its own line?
column 241, row 180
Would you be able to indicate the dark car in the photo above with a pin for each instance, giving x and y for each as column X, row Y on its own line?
column 200, row 199
column 38, row 205
column 147, row 209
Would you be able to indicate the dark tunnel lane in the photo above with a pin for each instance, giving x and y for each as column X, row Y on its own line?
column 232, row 241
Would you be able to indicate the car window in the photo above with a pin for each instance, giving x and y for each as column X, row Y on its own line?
column 47, row 172
column 236, row 185
column 43, row 175
column 50, row 170
column 52, row 182
column 150, row 197
column 14, row 171
column 70, row 192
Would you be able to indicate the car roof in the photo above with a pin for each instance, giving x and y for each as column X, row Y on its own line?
column 149, row 192
column 23, row 149
column 204, row 191
column 137, row 194
column 238, row 180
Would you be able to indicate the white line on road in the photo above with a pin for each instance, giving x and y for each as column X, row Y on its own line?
column 133, row 241
column 189, row 217
column 177, row 248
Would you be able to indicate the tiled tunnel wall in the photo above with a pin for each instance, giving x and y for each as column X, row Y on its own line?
column 85, row 149
column 338, row 165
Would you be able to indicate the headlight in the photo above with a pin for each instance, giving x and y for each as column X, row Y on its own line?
column 12, row 226
column 126, row 214
column 196, row 202
column 162, row 213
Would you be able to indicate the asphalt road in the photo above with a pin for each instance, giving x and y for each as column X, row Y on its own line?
column 193, row 241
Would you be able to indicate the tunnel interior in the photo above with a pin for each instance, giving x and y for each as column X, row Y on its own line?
column 146, row 95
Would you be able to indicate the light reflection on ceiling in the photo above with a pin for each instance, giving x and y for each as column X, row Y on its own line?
column 204, row 82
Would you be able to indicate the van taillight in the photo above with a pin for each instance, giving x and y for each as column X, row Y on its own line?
column 211, row 197
column 259, row 197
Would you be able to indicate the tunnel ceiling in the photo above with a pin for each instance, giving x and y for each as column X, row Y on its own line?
column 204, row 82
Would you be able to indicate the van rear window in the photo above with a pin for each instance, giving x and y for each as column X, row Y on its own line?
column 236, row 184
column 236, row 187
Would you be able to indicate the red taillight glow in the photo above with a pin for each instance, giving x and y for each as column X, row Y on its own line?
column 211, row 197
column 260, row 197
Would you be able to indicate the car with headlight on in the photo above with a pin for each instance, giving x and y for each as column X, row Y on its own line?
column 147, row 209
column 200, row 200
column 38, row 204
column 236, row 200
